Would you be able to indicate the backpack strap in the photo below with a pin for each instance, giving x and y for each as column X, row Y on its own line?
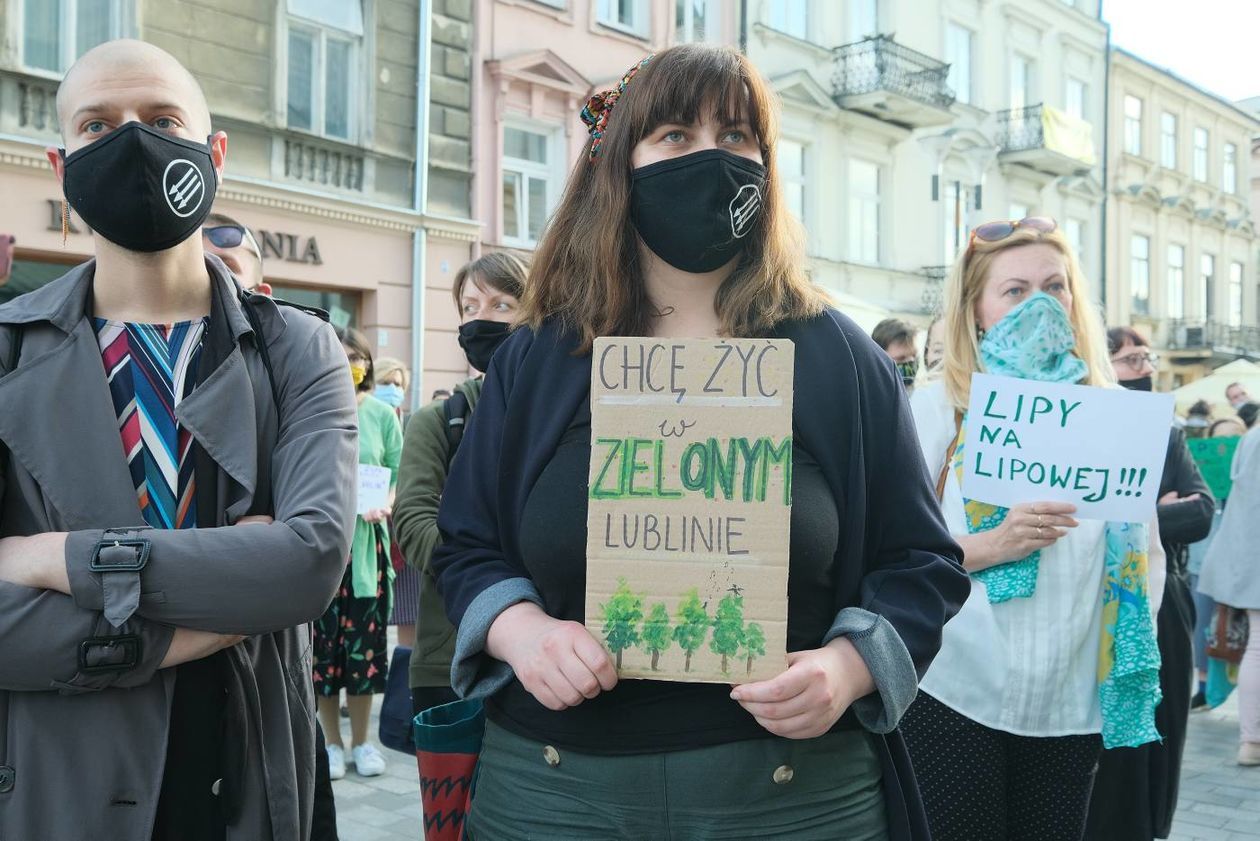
column 260, row 342
column 455, row 409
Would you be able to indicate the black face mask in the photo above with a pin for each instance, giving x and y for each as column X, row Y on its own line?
column 908, row 371
column 140, row 188
column 694, row 211
column 480, row 339
column 1139, row 384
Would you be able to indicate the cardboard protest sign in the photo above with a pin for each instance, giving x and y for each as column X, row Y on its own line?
column 373, row 488
column 1215, row 458
column 1101, row 449
column 690, row 501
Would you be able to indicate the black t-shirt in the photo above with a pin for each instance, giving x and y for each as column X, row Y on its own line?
column 648, row 716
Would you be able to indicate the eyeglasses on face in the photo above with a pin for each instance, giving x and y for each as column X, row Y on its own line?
column 225, row 236
column 1137, row 361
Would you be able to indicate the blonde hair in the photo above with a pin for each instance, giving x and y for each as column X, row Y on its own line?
column 387, row 365
column 963, row 289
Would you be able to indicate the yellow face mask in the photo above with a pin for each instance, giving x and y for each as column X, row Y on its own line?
column 357, row 373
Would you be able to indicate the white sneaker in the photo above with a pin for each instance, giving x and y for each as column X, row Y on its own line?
column 336, row 762
column 1249, row 753
column 368, row 761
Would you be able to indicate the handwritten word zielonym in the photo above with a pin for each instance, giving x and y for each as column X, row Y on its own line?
column 733, row 468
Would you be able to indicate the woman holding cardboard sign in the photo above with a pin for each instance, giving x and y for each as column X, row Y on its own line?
column 1056, row 643
column 673, row 226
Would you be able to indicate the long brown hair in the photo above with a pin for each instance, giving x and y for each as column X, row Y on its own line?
column 587, row 272
column 963, row 289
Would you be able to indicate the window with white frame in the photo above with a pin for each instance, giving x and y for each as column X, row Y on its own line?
column 627, row 15
column 697, row 21
column 791, row 166
column 1207, row 285
column 1140, row 273
column 1176, row 281
column 1075, row 97
column 958, row 52
column 1074, row 230
column 1235, row 294
column 863, row 19
column 1200, row 154
column 790, row 16
column 1168, row 140
column 324, row 76
column 56, row 32
column 1133, row 125
column 864, row 211
column 1021, row 82
column 1229, row 168
column 529, row 183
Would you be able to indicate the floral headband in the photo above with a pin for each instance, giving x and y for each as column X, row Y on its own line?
column 600, row 106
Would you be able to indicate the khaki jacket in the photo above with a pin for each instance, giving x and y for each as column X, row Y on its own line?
column 84, row 709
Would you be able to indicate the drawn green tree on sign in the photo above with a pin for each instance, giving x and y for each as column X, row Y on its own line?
column 754, row 643
column 657, row 633
column 728, row 628
column 622, row 615
column 692, row 626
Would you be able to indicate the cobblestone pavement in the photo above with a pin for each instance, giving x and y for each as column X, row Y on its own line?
column 1220, row 801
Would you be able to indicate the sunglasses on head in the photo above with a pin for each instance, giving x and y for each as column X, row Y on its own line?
column 225, row 236
column 998, row 231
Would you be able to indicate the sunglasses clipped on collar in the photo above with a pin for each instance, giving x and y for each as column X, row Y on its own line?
column 998, row 231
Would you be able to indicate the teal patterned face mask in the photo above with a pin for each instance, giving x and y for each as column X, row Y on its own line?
column 1034, row 341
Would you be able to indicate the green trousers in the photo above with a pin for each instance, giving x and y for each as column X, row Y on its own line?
column 821, row 789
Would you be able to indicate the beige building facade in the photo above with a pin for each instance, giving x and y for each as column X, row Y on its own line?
column 319, row 101
column 1182, row 240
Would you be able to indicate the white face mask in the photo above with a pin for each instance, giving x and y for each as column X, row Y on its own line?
column 1238, row 404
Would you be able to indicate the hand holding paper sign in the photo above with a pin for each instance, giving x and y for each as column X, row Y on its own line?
column 1100, row 449
column 557, row 662
column 1026, row 529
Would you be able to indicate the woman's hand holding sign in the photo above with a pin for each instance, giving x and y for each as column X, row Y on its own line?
column 808, row 699
column 1027, row 528
column 558, row 662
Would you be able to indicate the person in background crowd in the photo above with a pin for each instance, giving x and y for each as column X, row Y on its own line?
column 1237, row 396
column 139, row 560
column 487, row 294
column 233, row 243
column 1198, row 419
column 1004, row 734
column 896, row 338
column 350, row 638
column 1231, row 575
column 934, row 344
column 1204, row 607
column 392, row 382
column 641, row 245
column 1135, row 790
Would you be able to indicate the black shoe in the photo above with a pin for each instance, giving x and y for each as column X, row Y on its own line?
column 345, row 711
column 1198, row 702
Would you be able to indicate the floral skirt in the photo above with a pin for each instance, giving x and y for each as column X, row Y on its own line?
column 350, row 644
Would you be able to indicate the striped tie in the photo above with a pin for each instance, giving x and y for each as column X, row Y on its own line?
column 150, row 368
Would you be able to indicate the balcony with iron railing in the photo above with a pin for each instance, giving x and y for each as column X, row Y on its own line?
column 887, row 80
column 1219, row 338
column 1045, row 139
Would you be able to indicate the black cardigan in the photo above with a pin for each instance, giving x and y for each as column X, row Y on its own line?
column 896, row 557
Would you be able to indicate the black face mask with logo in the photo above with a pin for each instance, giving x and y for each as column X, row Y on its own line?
column 480, row 338
column 695, row 211
column 141, row 188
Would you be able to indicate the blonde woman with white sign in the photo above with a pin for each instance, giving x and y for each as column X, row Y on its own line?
column 1005, row 733
column 673, row 227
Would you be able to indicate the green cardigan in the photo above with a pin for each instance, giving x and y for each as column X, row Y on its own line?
column 380, row 445
column 426, row 455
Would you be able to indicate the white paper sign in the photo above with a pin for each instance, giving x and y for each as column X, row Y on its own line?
column 1101, row 449
column 373, row 488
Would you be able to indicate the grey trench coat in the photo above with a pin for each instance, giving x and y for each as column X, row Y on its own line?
column 84, row 709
